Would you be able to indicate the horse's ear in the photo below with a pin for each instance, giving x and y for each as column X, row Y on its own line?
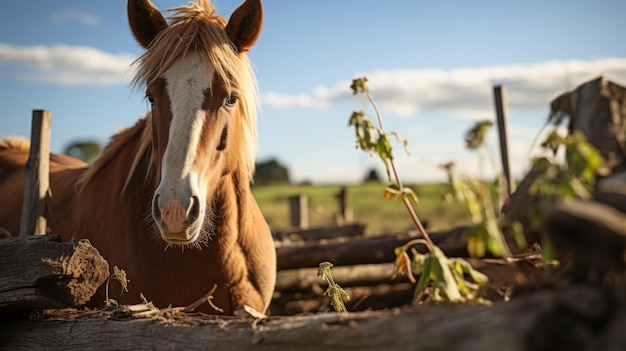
column 244, row 25
column 145, row 21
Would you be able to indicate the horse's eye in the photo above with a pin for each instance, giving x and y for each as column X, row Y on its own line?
column 231, row 100
column 149, row 97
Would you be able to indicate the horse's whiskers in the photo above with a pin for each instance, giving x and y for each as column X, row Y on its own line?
column 206, row 235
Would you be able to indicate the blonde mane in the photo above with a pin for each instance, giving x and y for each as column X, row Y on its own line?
column 14, row 142
column 195, row 28
column 142, row 130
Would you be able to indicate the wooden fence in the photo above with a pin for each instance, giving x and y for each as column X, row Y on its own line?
column 551, row 315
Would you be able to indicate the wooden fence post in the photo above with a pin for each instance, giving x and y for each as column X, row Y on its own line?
column 345, row 214
column 500, row 101
column 299, row 211
column 36, row 176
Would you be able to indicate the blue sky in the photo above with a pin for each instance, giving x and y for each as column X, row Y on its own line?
column 431, row 66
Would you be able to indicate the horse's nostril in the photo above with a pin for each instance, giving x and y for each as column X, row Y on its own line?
column 156, row 211
column 194, row 212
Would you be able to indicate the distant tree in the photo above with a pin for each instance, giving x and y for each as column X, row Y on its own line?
column 372, row 176
column 85, row 150
column 271, row 172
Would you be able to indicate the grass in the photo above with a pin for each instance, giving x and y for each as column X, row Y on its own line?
column 381, row 216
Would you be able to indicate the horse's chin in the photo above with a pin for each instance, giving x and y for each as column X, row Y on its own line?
column 186, row 237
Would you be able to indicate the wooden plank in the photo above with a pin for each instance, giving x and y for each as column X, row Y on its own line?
column 40, row 271
column 363, row 250
column 580, row 317
column 346, row 276
column 327, row 232
column 36, row 181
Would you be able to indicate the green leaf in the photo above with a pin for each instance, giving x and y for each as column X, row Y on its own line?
column 402, row 140
column 383, row 147
column 391, row 192
column 448, row 282
column 410, row 194
column 517, row 232
column 547, row 249
column 475, row 137
column 425, row 276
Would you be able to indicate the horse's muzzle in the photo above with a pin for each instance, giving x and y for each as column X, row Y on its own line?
column 176, row 222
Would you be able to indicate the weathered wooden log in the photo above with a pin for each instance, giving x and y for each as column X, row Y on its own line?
column 300, row 290
column 518, row 206
column 346, row 276
column 363, row 250
column 326, row 232
column 43, row 272
column 591, row 233
column 379, row 297
column 598, row 109
column 581, row 318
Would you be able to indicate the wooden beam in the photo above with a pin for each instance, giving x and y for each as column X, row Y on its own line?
column 362, row 250
column 346, row 276
column 580, row 317
column 40, row 271
column 36, row 181
column 321, row 233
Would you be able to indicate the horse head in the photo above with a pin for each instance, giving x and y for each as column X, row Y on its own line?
column 202, row 94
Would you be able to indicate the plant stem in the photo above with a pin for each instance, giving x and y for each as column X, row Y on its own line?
column 106, row 291
column 407, row 202
column 376, row 109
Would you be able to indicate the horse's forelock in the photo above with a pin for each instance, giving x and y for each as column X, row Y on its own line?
column 195, row 28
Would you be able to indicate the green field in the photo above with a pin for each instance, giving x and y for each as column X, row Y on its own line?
column 369, row 207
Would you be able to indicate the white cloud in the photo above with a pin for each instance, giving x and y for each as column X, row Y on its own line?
column 463, row 92
column 77, row 16
column 66, row 65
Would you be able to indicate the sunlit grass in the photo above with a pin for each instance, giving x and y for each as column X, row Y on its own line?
column 381, row 216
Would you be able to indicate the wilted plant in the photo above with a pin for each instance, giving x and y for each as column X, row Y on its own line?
column 485, row 234
column 446, row 277
column 149, row 304
column 120, row 276
column 441, row 279
column 573, row 179
column 373, row 139
column 334, row 291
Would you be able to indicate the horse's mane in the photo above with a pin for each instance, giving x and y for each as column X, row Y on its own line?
column 142, row 130
column 195, row 28
column 14, row 142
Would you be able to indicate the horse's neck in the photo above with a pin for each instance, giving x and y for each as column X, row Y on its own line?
column 232, row 191
column 121, row 181
column 237, row 216
column 244, row 244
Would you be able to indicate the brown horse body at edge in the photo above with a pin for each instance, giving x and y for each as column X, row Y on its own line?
column 169, row 199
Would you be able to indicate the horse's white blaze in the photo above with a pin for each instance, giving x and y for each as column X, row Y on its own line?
column 186, row 80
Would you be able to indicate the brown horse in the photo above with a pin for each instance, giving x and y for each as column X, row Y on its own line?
column 169, row 199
